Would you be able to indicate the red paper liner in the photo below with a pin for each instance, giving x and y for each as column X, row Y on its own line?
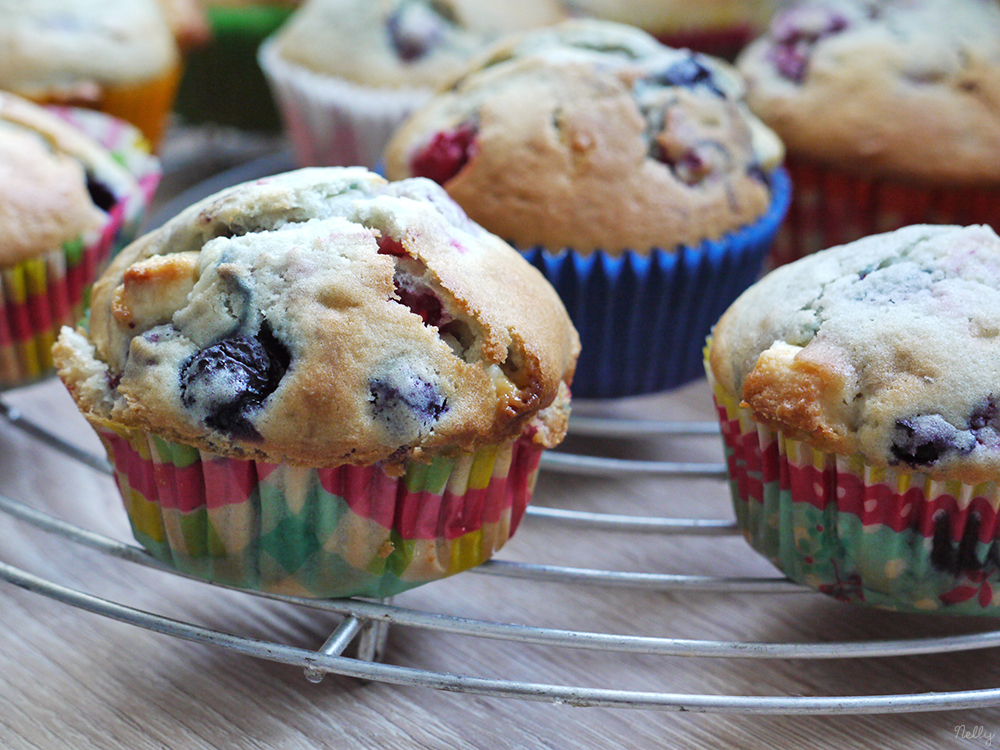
column 832, row 207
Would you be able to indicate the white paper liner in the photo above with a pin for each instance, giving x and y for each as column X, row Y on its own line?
column 331, row 121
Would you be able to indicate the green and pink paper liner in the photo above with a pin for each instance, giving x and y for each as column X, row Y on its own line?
column 866, row 534
column 319, row 532
column 42, row 294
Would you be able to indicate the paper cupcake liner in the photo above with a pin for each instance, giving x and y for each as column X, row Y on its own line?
column 726, row 43
column 831, row 207
column 643, row 317
column 40, row 295
column 222, row 82
column 860, row 533
column 330, row 121
column 319, row 532
column 131, row 149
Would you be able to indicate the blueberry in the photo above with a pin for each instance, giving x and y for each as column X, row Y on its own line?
column 689, row 72
column 230, row 380
column 923, row 440
column 405, row 403
column 414, row 30
column 948, row 557
column 100, row 193
column 986, row 416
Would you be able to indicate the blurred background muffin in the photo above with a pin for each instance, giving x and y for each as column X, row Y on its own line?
column 74, row 185
column 890, row 111
column 348, row 395
column 223, row 83
column 716, row 27
column 187, row 22
column 346, row 72
column 115, row 56
column 631, row 173
column 857, row 393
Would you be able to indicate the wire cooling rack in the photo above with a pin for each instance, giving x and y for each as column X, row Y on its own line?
column 365, row 623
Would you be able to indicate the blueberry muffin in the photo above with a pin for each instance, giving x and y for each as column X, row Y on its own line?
column 591, row 144
column 116, row 56
column 346, row 72
column 64, row 203
column 857, row 393
column 888, row 110
column 323, row 383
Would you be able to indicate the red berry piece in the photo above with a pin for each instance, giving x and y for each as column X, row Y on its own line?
column 796, row 32
column 446, row 154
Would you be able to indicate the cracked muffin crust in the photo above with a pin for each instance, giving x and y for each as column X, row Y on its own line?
column 909, row 88
column 888, row 347
column 324, row 317
column 592, row 135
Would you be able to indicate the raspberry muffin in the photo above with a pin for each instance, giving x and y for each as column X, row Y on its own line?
column 323, row 384
column 67, row 202
column 116, row 56
column 630, row 172
column 888, row 110
column 346, row 72
column 858, row 398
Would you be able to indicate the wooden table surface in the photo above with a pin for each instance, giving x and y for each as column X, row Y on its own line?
column 73, row 679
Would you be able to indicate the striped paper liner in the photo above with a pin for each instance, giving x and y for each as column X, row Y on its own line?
column 832, row 207
column 40, row 295
column 319, row 532
column 866, row 534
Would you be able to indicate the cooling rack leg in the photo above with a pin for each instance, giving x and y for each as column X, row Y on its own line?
column 335, row 645
column 371, row 641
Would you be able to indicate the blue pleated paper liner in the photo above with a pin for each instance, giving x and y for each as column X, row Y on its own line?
column 643, row 317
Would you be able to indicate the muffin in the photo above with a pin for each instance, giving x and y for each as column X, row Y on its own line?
column 630, row 173
column 346, row 72
column 222, row 82
column 188, row 22
column 320, row 383
column 716, row 27
column 857, row 394
column 74, row 185
column 889, row 113
column 116, row 56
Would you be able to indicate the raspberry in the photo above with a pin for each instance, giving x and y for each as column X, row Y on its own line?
column 446, row 154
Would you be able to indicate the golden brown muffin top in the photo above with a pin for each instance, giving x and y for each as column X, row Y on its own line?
column 592, row 135
column 888, row 347
column 903, row 88
column 402, row 43
column 71, row 49
column 324, row 317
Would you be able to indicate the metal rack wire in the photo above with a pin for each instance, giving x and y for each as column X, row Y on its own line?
column 365, row 623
